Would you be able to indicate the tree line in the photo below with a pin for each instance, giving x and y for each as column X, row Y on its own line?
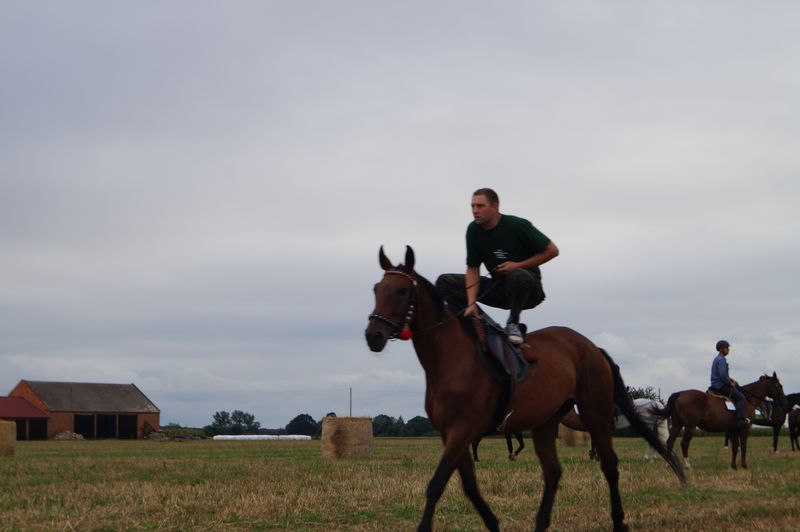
column 241, row 423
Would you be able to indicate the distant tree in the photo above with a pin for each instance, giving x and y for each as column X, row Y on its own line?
column 244, row 423
column 418, row 426
column 221, row 424
column 643, row 393
column 236, row 423
column 302, row 424
column 383, row 425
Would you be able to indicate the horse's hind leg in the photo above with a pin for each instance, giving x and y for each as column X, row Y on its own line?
column 674, row 430
column 685, row 441
column 544, row 442
column 521, row 441
column 608, row 464
column 466, row 469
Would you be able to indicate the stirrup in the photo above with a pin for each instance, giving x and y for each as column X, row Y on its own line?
column 502, row 426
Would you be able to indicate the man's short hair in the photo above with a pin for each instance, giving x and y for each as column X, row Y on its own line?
column 490, row 194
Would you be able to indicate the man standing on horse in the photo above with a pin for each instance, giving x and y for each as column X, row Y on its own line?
column 724, row 385
column 512, row 249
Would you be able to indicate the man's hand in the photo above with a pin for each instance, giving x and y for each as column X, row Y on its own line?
column 471, row 311
column 507, row 267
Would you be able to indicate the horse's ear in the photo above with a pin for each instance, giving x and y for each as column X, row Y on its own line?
column 774, row 375
column 409, row 258
column 385, row 262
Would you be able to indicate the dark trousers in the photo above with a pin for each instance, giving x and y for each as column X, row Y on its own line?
column 519, row 290
column 736, row 396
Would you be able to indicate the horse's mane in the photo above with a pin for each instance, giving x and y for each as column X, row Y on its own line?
column 429, row 287
column 442, row 312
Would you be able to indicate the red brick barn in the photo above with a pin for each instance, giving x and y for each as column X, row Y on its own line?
column 91, row 409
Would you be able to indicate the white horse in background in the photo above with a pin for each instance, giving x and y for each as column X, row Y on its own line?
column 658, row 424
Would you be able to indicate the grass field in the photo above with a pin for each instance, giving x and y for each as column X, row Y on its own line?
column 207, row 485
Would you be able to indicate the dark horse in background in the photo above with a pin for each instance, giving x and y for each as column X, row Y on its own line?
column 461, row 396
column 777, row 418
column 693, row 408
column 512, row 454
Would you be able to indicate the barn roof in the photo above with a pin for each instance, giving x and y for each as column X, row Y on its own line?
column 92, row 397
column 19, row 408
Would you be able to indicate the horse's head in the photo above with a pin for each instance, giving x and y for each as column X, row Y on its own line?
column 395, row 299
column 775, row 390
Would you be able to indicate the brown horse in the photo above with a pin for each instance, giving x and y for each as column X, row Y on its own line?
column 693, row 408
column 794, row 429
column 461, row 395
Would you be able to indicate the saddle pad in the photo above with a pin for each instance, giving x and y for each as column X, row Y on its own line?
column 730, row 406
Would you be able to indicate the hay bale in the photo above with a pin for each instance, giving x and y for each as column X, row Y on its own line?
column 567, row 435
column 8, row 437
column 571, row 437
column 346, row 437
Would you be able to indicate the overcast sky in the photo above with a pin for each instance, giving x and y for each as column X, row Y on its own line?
column 193, row 194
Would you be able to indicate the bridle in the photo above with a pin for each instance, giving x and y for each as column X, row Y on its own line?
column 751, row 395
column 409, row 314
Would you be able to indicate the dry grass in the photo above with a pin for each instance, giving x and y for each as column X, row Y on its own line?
column 142, row 485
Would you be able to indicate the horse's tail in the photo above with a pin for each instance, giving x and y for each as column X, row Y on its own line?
column 667, row 410
column 624, row 402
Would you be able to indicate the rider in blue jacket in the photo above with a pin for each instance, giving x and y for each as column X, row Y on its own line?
column 723, row 384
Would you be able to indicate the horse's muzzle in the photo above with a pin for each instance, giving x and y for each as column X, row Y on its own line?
column 376, row 339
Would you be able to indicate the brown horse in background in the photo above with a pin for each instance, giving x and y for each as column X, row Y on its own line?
column 777, row 418
column 794, row 429
column 461, row 396
column 693, row 408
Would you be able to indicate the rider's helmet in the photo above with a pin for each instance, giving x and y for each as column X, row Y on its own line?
column 722, row 343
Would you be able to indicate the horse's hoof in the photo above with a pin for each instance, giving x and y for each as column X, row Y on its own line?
column 512, row 457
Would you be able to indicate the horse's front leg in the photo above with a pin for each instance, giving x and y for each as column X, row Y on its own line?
column 434, row 492
column 469, row 481
column 734, row 447
column 456, row 450
column 743, row 438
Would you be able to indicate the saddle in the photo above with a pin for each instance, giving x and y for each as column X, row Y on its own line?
column 714, row 393
column 728, row 403
column 502, row 358
column 506, row 363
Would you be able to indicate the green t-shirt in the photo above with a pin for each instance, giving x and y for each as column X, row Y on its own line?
column 513, row 238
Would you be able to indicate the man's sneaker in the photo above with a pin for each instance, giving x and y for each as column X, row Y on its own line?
column 742, row 422
column 514, row 334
